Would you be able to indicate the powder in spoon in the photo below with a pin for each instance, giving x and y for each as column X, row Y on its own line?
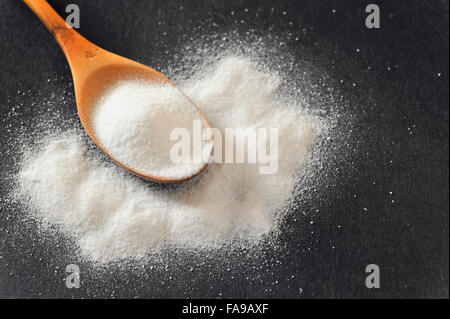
column 113, row 215
column 133, row 122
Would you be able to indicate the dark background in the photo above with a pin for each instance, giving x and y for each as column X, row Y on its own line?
column 393, row 211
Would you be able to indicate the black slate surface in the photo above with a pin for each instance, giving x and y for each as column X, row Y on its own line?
column 401, row 110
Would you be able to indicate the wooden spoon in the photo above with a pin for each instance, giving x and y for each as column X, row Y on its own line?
column 94, row 70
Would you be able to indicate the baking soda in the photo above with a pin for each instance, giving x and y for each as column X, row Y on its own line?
column 115, row 216
column 134, row 120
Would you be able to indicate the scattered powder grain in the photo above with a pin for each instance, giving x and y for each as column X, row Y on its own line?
column 114, row 215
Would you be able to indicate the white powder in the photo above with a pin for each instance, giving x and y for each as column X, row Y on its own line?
column 133, row 122
column 115, row 216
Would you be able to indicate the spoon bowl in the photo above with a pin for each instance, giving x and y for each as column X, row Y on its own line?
column 94, row 70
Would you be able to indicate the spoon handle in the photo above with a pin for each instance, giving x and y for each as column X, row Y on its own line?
column 80, row 53
column 63, row 33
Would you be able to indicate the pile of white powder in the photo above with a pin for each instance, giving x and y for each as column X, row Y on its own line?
column 114, row 215
column 133, row 121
